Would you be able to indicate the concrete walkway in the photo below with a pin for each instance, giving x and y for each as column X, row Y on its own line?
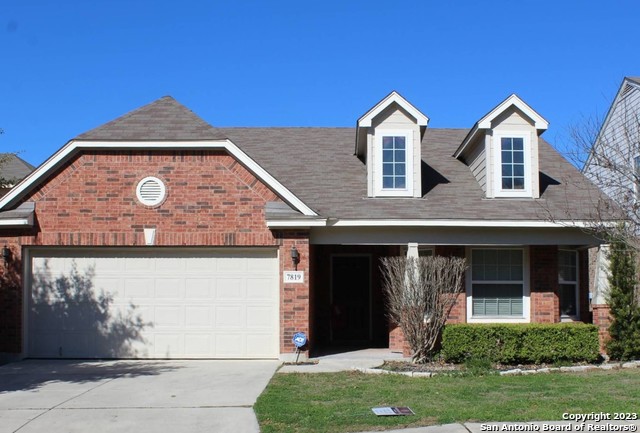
column 367, row 358
column 140, row 396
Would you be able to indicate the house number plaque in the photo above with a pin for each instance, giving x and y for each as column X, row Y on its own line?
column 294, row 277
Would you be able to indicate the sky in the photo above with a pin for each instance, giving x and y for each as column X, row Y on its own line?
column 68, row 66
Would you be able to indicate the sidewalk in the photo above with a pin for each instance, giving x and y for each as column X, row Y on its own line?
column 537, row 426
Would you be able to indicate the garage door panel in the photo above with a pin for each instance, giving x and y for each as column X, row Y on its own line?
column 168, row 317
column 140, row 264
column 260, row 288
column 198, row 317
column 230, row 345
column 168, row 345
column 230, row 289
column 198, row 345
column 199, row 288
column 139, row 288
column 169, row 288
column 258, row 317
column 197, row 303
column 260, row 345
column 231, row 264
column 229, row 317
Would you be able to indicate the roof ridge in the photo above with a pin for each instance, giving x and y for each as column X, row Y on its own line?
column 163, row 119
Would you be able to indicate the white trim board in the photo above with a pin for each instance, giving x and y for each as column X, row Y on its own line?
column 74, row 146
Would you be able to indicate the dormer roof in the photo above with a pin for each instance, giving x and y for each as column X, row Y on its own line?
column 485, row 123
column 366, row 120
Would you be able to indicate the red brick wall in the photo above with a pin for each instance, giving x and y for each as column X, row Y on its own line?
column 545, row 304
column 458, row 313
column 211, row 200
column 294, row 298
column 602, row 319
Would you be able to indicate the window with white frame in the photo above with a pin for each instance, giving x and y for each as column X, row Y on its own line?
column 497, row 283
column 395, row 163
column 513, row 177
column 568, row 282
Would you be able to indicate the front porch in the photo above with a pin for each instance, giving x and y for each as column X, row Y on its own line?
column 511, row 284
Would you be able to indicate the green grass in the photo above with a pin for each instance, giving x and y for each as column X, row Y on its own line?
column 342, row 402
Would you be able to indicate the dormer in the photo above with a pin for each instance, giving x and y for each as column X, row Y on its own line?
column 388, row 140
column 502, row 150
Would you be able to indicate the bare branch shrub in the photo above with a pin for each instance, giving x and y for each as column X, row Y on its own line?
column 420, row 293
column 608, row 158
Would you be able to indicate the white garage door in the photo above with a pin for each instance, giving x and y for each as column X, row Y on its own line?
column 153, row 303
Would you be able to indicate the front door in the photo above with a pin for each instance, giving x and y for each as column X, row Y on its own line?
column 351, row 299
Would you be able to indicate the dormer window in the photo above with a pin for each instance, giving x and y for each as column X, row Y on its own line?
column 513, row 177
column 394, row 151
column 501, row 150
column 389, row 142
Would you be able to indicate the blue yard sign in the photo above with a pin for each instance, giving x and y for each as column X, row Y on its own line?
column 299, row 339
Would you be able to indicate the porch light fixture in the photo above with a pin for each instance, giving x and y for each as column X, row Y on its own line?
column 6, row 254
column 295, row 257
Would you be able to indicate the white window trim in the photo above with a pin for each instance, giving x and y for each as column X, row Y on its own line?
column 575, row 317
column 497, row 164
column 395, row 192
column 526, row 296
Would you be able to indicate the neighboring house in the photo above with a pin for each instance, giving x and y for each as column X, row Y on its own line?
column 157, row 235
column 12, row 170
column 613, row 165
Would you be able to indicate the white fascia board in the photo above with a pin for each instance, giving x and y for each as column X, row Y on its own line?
column 268, row 179
column 468, row 139
column 365, row 120
column 17, row 222
column 485, row 123
column 296, row 223
column 539, row 122
column 458, row 223
column 73, row 146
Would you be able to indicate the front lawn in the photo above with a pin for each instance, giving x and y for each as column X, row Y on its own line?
column 342, row 402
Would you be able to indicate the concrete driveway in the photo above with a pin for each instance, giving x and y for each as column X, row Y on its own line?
column 141, row 396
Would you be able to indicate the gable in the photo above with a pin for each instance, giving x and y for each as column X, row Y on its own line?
column 205, row 190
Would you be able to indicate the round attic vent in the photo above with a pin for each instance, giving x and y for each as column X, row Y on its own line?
column 150, row 191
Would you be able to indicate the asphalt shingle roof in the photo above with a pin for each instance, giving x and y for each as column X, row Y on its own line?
column 15, row 167
column 162, row 120
column 318, row 166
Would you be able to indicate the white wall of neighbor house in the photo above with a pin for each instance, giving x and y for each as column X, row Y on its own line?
column 394, row 118
column 600, row 267
column 619, row 143
column 509, row 121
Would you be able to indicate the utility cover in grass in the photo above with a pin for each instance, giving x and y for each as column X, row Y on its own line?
column 392, row 411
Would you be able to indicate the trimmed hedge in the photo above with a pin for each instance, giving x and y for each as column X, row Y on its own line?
column 521, row 343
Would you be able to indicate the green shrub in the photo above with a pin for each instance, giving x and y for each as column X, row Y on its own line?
column 623, row 301
column 521, row 343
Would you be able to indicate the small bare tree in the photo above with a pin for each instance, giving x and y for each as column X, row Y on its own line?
column 420, row 293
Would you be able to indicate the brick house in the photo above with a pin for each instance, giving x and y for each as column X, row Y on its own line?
column 157, row 235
